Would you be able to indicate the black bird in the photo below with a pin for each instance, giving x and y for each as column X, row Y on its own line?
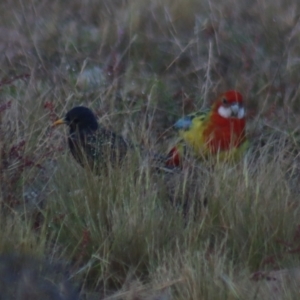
column 90, row 143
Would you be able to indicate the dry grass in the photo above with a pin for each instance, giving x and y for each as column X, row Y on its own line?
column 136, row 234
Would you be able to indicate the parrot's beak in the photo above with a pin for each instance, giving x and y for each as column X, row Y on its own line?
column 235, row 109
column 58, row 122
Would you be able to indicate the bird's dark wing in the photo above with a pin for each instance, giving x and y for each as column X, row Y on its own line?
column 96, row 148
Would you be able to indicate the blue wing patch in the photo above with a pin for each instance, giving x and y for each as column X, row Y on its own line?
column 183, row 123
column 186, row 122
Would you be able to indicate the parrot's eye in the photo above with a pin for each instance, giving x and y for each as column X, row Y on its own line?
column 225, row 101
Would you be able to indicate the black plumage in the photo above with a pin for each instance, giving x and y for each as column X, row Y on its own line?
column 92, row 144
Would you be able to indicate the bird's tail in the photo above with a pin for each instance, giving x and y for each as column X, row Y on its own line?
column 161, row 162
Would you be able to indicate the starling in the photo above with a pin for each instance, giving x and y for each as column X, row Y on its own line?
column 90, row 143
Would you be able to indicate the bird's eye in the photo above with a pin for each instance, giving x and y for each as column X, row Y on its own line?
column 75, row 120
column 225, row 101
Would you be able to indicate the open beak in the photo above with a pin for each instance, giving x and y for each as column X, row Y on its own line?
column 58, row 122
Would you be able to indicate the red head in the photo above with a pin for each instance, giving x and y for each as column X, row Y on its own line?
column 227, row 124
column 229, row 106
column 233, row 96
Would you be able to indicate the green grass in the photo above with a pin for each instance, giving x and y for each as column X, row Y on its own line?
column 140, row 65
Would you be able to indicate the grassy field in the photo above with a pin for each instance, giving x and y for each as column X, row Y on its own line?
column 140, row 65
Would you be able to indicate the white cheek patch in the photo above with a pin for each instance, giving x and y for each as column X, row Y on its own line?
column 224, row 112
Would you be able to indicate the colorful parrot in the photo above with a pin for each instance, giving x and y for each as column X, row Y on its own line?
column 219, row 131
